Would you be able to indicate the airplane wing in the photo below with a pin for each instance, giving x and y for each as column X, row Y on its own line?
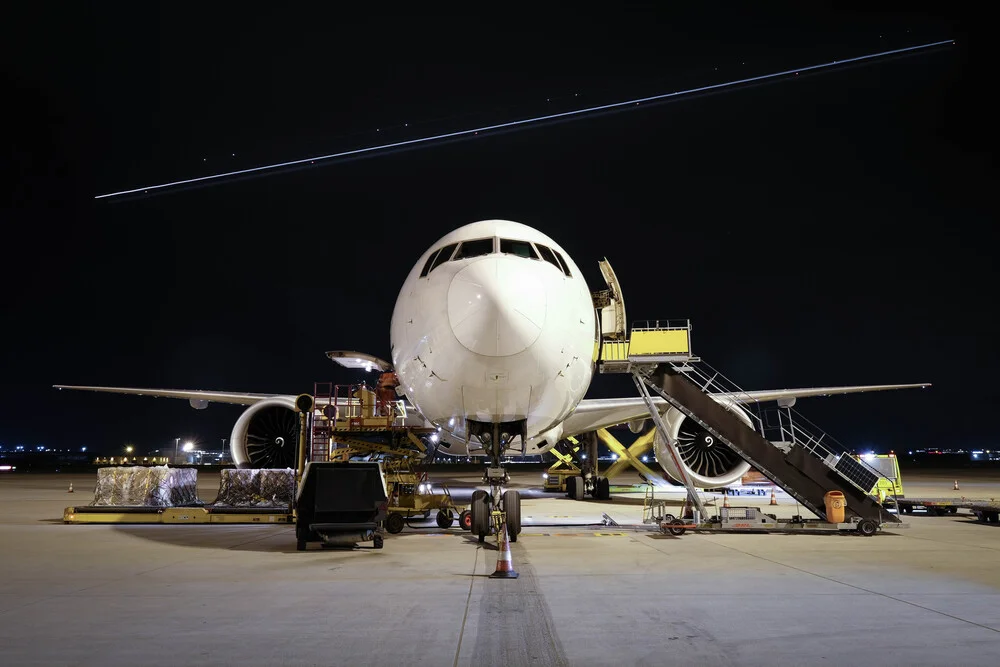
column 592, row 414
column 412, row 417
column 212, row 396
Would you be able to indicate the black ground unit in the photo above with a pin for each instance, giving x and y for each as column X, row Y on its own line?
column 341, row 504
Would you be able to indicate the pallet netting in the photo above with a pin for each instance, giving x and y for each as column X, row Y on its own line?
column 141, row 486
column 256, row 488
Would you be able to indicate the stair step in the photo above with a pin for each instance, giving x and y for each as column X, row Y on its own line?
column 798, row 472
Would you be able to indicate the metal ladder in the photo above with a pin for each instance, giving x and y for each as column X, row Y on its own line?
column 322, row 426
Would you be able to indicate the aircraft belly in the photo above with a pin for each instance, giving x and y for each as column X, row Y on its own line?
column 491, row 404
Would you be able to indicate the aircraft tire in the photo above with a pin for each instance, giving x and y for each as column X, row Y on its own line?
column 578, row 487
column 512, row 508
column 480, row 513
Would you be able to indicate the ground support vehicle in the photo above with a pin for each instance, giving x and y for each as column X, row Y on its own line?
column 752, row 519
column 340, row 504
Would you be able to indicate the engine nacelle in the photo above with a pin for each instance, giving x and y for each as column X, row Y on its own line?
column 708, row 461
column 266, row 435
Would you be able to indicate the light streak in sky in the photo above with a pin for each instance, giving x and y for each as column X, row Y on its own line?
column 524, row 122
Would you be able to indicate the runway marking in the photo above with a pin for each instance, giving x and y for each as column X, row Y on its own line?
column 573, row 535
column 515, row 624
column 468, row 601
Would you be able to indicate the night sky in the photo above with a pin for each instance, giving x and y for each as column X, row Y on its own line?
column 831, row 229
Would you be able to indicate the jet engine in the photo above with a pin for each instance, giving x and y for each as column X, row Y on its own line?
column 266, row 435
column 709, row 462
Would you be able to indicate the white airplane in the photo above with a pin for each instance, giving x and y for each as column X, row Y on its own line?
column 494, row 340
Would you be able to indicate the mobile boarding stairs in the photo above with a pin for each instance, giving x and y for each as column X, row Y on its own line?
column 788, row 450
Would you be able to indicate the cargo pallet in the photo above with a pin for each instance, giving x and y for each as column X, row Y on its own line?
column 174, row 515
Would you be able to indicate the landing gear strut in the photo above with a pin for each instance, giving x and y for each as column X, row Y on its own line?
column 589, row 482
column 485, row 507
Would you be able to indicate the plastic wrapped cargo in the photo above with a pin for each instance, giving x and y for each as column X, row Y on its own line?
column 140, row 486
column 266, row 487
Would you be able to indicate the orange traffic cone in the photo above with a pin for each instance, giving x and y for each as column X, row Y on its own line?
column 70, row 490
column 505, row 569
column 774, row 501
column 725, row 499
column 956, row 485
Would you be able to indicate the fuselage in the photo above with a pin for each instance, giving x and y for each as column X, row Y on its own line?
column 495, row 323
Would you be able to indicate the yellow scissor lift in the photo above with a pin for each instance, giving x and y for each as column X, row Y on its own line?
column 554, row 478
column 348, row 414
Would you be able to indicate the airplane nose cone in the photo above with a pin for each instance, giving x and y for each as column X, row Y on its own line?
column 496, row 306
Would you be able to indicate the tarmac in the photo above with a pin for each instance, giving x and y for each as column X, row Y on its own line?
column 587, row 594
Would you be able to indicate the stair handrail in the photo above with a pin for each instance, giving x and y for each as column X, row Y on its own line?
column 799, row 430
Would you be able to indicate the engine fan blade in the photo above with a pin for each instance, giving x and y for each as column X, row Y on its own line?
column 703, row 453
column 272, row 438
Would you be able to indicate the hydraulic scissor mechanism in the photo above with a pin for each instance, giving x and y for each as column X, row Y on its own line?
column 495, row 438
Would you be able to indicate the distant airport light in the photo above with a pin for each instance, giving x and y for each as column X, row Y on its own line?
column 645, row 459
column 188, row 446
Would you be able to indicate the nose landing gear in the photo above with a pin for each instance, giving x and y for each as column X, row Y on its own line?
column 490, row 510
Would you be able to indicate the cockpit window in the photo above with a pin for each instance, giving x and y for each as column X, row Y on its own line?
column 565, row 266
column 475, row 248
column 548, row 256
column 519, row 248
column 430, row 261
column 443, row 256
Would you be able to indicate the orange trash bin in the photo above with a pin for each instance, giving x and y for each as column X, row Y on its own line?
column 835, row 506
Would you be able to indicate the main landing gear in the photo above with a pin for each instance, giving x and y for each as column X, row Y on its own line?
column 588, row 482
column 490, row 510
column 599, row 488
